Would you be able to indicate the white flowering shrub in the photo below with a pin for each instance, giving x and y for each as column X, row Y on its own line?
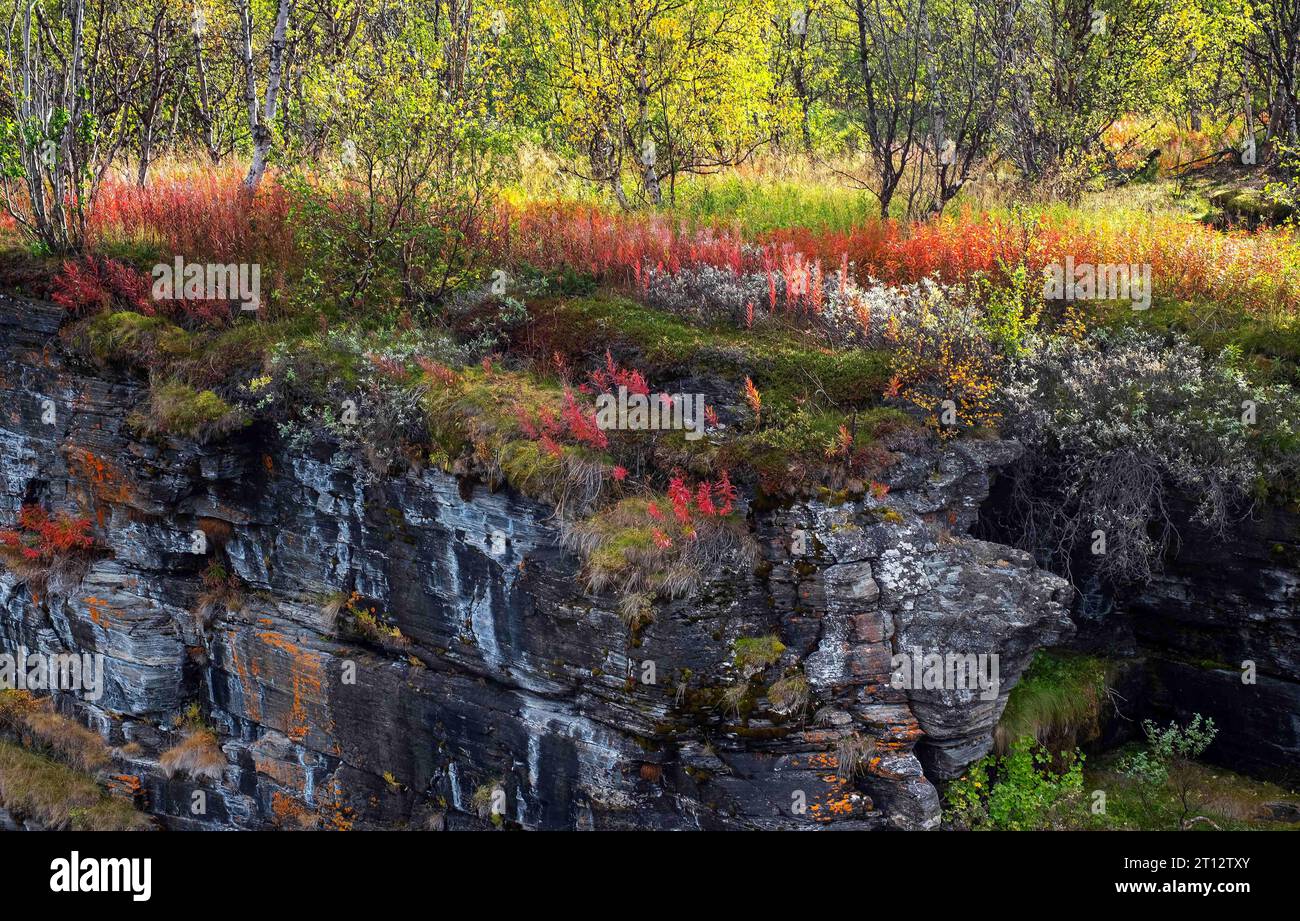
column 948, row 355
column 1117, row 424
column 707, row 293
column 838, row 306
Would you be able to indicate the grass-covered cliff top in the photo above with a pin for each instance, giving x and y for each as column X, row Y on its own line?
column 817, row 346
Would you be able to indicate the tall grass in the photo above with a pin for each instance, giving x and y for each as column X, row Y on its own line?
column 1060, row 700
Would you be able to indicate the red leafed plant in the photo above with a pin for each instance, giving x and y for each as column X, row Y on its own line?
column 92, row 285
column 754, row 399
column 41, row 539
column 574, row 425
column 681, row 496
column 609, row 378
column 437, row 370
column 713, row 499
column 582, row 425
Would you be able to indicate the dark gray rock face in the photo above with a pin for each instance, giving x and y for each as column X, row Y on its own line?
column 1220, row 631
column 510, row 679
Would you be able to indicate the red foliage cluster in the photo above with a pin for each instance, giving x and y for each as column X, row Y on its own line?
column 612, row 376
column 616, row 247
column 709, row 498
column 582, row 424
column 437, row 370
column 41, row 538
column 200, row 214
column 389, row 367
column 574, row 425
column 619, row 247
column 92, row 285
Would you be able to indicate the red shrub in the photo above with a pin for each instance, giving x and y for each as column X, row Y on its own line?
column 611, row 377
column 582, row 425
column 91, row 285
column 40, row 538
column 574, row 425
column 198, row 213
column 711, row 499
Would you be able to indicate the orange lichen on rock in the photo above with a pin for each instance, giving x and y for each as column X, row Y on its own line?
column 107, row 482
column 99, row 612
column 307, row 674
column 289, row 812
column 248, row 676
column 125, row 785
column 334, row 810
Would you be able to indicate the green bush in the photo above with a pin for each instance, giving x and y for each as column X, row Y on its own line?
column 1018, row 791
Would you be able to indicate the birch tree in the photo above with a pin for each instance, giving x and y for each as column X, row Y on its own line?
column 261, row 111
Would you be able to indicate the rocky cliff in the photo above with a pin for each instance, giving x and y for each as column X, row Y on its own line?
column 1218, row 633
column 510, row 685
column 1215, row 631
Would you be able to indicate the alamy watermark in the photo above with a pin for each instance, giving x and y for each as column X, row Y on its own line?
column 209, row 281
column 55, row 671
column 75, row 873
column 652, row 411
column 1108, row 281
column 954, row 671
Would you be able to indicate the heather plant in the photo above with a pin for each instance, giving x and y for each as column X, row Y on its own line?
column 44, row 547
column 1116, row 424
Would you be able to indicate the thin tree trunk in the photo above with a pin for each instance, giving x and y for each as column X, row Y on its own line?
column 261, row 124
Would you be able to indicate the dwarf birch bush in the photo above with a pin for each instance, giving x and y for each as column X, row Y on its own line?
column 1115, row 425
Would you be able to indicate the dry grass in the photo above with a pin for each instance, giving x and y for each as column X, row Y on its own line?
column 37, row 720
column 60, row 797
column 850, row 752
column 790, row 695
column 197, row 755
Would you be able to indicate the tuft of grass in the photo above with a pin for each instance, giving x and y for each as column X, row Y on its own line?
column 752, row 654
column 36, row 718
column 789, row 696
column 133, row 340
column 475, row 422
column 641, row 557
column 176, row 408
column 1059, row 701
column 368, row 624
column 197, row 755
column 850, row 752
column 59, row 796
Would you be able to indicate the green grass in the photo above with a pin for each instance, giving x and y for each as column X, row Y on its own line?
column 787, row 366
column 758, row 205
column 1270, row 343
column 1058, row 701
column 176, row 408
column 1230, row 800
column 755, row 653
